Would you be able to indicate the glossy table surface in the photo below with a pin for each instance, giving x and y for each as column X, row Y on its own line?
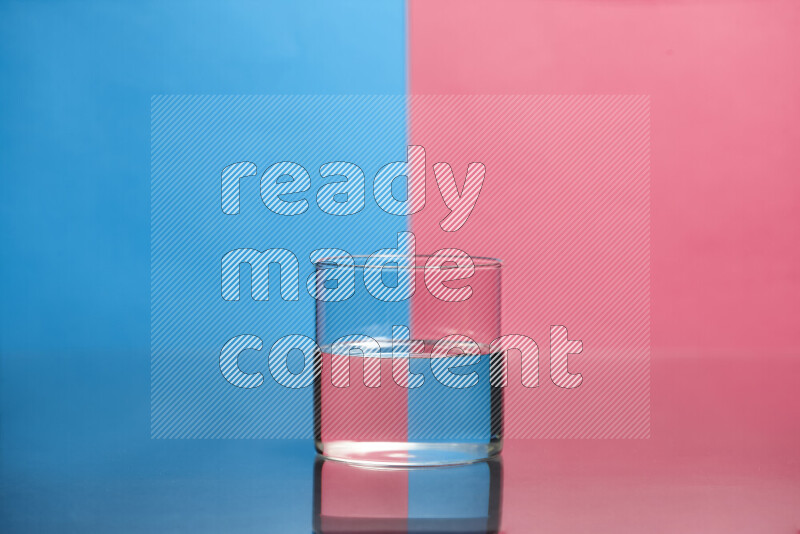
column 724, row 449
column 720, row 459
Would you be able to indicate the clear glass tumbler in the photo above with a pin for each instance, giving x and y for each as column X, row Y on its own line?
column 407, row 377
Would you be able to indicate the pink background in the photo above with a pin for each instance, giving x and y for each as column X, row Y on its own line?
column 724, row 83
column 565, row 204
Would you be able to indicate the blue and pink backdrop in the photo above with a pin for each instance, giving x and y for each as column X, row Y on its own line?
column 640, row 186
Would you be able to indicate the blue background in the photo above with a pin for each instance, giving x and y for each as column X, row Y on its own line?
column 76, row 85
column 193, row 139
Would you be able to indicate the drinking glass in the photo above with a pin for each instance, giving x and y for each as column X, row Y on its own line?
column 407, row 377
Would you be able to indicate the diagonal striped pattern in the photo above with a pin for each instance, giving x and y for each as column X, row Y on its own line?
column 259, row 282
column 363, row 411
column 279, row 364
column 273, row 186
column 229, row 361
column 442, row 361
column 447, row 265
column 340, row 370
column 403, row 347
column 455, row 402
column 401, row 262
column 344, row 197
column 353, row 346
column 333, row 278
column 560, row 349
column 201, row 147
column 566, row 204
column 413, row 169
column 231, row 176
column 460, row 203
column 528, row 352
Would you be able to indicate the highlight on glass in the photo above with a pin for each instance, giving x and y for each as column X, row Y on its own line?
column 406, row 376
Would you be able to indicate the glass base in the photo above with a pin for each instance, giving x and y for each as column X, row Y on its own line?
column 408, row 454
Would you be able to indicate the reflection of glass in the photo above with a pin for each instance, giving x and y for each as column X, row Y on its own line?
column 406, row 381
column 350, row 498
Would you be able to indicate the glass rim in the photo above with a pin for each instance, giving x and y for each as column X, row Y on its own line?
column 479, row 262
